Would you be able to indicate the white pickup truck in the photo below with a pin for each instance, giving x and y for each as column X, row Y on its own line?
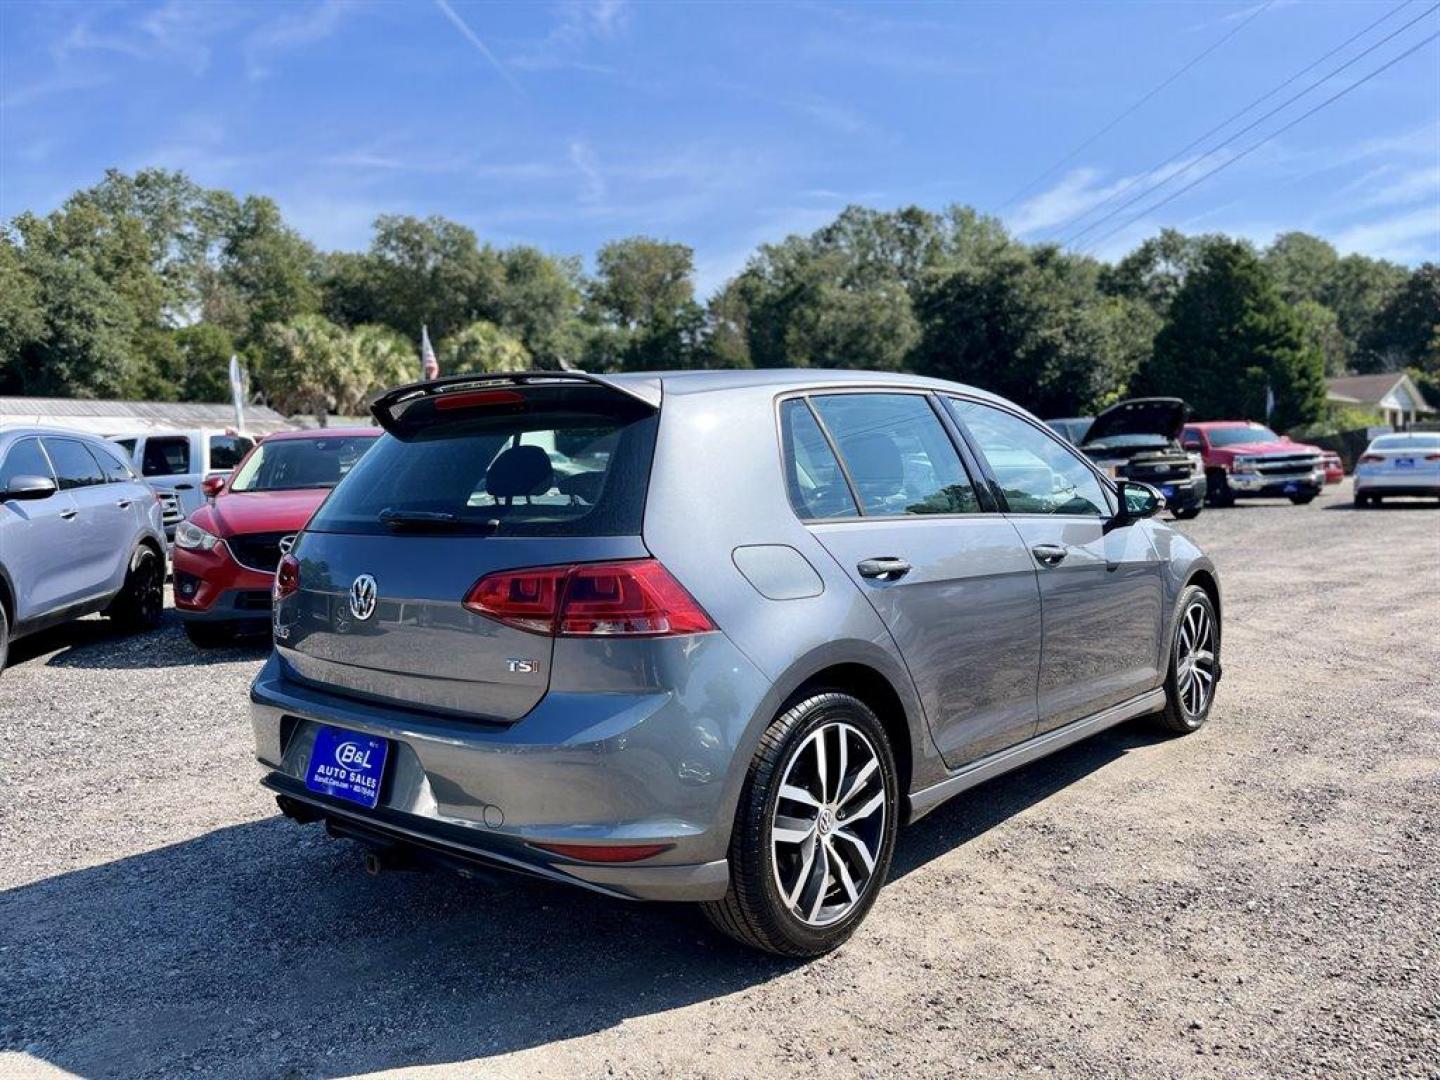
column 176, row 463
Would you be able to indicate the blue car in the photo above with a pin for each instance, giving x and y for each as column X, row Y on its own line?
column 79, row 533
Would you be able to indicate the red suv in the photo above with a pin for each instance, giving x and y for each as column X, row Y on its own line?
column 1244, row 459
column 226, row 552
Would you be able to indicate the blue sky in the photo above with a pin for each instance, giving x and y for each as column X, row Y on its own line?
column 726, row 125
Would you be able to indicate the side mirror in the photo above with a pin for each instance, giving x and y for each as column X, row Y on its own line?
column 29, row 488
column 1138, row 501
column 212, row 486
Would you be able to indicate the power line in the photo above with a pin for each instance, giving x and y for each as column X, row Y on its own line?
column 1150, row 172
column 1254, row 124
column 1274, row 134
column 1108, row 127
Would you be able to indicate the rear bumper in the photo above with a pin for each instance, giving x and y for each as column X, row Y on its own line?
column 657, row 766
column 1183, row 494
column 1394, row 483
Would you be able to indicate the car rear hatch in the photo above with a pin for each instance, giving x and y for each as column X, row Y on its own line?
column 475, row 475
column 1161, row 417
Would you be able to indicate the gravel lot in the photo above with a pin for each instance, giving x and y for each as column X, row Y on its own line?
column 1259, row 900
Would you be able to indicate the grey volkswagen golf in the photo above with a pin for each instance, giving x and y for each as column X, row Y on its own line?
column 711, row 636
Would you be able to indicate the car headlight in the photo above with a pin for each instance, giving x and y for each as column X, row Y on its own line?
column 1197, row 464
column 190, row 536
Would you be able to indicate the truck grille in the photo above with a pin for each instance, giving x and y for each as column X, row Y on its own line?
column 257, row 551
column 170, row 512
column 1281, row 466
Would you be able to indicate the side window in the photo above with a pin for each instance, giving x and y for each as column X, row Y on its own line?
column 1190, row 439
column 227, row 450
column 168, row 455
column 813, row 478
column 74, row 465
column 1038, row 474
column 113, row 462
column 128, row 445
column 898, row 454
column 24, row 459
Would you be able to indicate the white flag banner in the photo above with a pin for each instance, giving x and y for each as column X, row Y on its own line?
column 1269, row 401
column 237, row 391
column 429, row 366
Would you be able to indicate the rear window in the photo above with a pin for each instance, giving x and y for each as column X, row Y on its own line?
column 1406, row 442
column 571, row 463
column 289, row 464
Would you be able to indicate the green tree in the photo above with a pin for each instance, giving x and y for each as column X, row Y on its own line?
column 1402, row 334
column 22, row 320
column 642, row 302
column 1321, row 327
column 482, row 346
column 1229, row 339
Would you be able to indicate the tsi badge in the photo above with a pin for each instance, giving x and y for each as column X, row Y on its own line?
column 362, row 597
column 522, row 667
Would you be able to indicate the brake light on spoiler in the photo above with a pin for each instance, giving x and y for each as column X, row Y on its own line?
column 635, row 598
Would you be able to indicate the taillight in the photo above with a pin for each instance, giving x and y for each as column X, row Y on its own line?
column 1372, row 457
column 287, row 577
column 636, row 598
column 1432, row 457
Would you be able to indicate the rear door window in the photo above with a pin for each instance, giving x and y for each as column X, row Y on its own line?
column 227, row 450
column 813, row 479
column 166, row 455
column 570, row 463
column 898, row 454
column 75, row 467
column 24, row 459
column 113, row 462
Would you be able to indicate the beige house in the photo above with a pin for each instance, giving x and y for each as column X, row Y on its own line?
column 1392, row 394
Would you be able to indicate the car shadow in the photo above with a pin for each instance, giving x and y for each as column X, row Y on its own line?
column 261, row 949
column 96, row 642
column 1388, row 504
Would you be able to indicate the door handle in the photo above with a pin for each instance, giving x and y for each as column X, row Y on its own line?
column 1049, row 554
column 886, row 568
column 69, row 515
column 124, row 504
column 184, row 487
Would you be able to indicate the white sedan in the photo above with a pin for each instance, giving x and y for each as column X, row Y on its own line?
column 1407, row 463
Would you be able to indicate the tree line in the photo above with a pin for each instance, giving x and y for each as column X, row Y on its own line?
column 144, row 285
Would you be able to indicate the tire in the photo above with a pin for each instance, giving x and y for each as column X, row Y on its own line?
column 1302, row 500
column 4, row 637
column 1217, row 490
column 755, row 910
column 141, row 603
column 1195, row 617
column 210, row 635
column 1363, row 502
column 1186, row 513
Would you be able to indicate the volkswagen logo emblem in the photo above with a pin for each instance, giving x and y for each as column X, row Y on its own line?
column 362, row 597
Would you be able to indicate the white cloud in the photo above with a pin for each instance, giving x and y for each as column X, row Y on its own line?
column 1410, row 186
column 1411, row 237
column 295, row 29
column 593, row 189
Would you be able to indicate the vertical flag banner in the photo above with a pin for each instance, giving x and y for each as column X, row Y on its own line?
column 237, row 391
column 1269, row 400
column 429, row 366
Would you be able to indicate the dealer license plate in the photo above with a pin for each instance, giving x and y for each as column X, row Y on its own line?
column 347, row 765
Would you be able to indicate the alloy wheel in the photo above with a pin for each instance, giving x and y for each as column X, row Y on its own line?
column 828, row 824
column 1195, row 659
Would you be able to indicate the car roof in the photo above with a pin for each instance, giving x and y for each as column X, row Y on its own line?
column 12, row 433
column 1224, row 423
column 325, row 433
column 780, row 379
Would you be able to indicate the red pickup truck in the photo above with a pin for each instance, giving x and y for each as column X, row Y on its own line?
column 1244, row 460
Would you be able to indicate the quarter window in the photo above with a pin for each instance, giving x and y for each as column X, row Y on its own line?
column 1036, row 472
column 898, row 454
column 227, row 450
column 112, row 461
column 813, row 478
column 74, row 465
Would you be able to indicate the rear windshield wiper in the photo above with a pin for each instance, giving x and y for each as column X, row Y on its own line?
column 419, row 520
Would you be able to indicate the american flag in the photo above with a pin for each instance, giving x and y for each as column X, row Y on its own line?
column 429, row 366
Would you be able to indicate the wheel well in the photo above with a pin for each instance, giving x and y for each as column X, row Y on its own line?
column 7, row 601
column 1206, row 581
column 148, row 542
column 874, row 690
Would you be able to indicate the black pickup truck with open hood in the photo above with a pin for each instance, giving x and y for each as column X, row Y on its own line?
column 1139, row 439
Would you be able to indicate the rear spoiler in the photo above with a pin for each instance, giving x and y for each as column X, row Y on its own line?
column 390, row 407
